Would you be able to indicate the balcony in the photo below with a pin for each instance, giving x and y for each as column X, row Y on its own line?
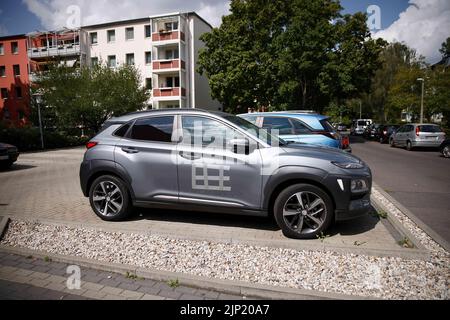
column 169, row 92
column 164, row 35
column 62, row 50
column 168, row 65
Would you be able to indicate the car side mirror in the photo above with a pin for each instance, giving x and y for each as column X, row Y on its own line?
column 241, row 146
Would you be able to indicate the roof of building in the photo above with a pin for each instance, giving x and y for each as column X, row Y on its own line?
column 11, row 37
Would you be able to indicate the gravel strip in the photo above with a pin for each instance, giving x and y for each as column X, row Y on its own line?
column 383, row 277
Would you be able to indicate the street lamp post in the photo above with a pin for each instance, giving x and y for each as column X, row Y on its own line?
column 38, row 99
column 421, row 102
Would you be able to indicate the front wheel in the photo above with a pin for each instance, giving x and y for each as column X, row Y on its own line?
column 409, row 146
column 109, row 198
column 392, row 143
column 303, row 211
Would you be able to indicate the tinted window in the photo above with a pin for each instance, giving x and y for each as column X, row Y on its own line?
column 251, row 119
column 327, row 126
column 430, row 128
column 299, row 127
column 122, row 130
column 283, row 125
column 153, row 129
column 207, row 132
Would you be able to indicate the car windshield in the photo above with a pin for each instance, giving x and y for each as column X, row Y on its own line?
column 362, row 123
column 430, row 128
column 270, row 138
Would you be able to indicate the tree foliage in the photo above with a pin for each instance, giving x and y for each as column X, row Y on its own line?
column 288, row 55
column 89, row 96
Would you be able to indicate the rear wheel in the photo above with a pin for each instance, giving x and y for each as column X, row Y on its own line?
column 391, row 142
column 446, row 151
column 109, row 198
column 409, row 146
column 303, row 211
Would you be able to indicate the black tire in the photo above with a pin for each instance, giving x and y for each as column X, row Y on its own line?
column 112, row 182
column 392, row 143
column 6, row 165
column 409, row 146
column 381, row 140
column 446, row 151
column 327, row 214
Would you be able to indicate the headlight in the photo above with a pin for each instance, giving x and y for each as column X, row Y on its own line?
column 348, row 165
column 358, row 185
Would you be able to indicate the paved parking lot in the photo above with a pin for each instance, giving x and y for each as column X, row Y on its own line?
column 45, row 185
column 418, row 179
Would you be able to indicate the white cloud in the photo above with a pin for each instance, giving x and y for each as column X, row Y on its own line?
column 424, row 25
column 54, row 14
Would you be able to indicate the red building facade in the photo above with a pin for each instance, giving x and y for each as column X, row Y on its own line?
column 14, row 81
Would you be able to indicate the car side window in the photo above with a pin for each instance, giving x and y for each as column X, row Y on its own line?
column 283, row 125
column 299, row 127
column 251, row 119
column 158, row 129
column 207, row 132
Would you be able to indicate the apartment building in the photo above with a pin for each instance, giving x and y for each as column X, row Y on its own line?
column 164, row 49
column 14, row 81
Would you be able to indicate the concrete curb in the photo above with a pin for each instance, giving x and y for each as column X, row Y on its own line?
column 4, row 221
column 225, row 286
column 295, row 245
column 437, row 238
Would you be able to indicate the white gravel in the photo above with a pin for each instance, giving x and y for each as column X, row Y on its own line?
column 383, row 277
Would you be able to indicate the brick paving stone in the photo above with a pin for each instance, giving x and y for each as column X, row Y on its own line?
column 151, row 297
column 187, row 296
column 131, row 294
column 128, row 286
column 170, row 294
column 109, row 282
column 224, row 296
column 207, row 294
column 111, row 290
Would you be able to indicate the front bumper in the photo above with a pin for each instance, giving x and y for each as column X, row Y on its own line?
column 9, row 156
column 356, row 208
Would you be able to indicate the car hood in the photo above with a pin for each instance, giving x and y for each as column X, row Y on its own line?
column 320, row 152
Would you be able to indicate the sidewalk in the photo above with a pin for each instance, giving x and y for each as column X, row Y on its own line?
column 29, row 278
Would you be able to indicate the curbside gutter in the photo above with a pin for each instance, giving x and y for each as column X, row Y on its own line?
column 399, row 226
column 234, row 287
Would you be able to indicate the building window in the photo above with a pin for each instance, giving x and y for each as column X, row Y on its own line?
column 16, row 69
column 4, row 93
column 94, row 38
column 172, row 54
column 148, row 83
column 129, row 33
column 130, row 59
column 2, row 49
column 112, row 61
column 111, row 35
column 173, row 82
column 94, row 61
column 148, row 57
column 18, row 92
column 2, row 71
column 148, row 31
column 171, row 26
column 14, row 47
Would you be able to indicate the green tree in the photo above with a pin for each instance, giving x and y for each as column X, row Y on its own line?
column 445, row 48
column 89, row 96
column 288, row 55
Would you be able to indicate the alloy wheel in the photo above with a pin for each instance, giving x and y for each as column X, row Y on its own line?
column 446, row 151
column 107, row 198
column 304, row 212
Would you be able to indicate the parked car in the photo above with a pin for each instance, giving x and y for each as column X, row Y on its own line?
column 309, row 128
column 8, row 155
column 385, row 131
column 417, row 135
column 371, row 131
column 445, row 148
column 358, row 126
column 191, row 159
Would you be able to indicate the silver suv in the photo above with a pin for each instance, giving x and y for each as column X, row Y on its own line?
column 417, row 135
column 190, row 159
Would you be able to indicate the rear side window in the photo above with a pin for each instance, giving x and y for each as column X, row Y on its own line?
column 430, row 128
column 299, row 127
column 326, row 125
column 251, row 119
column 122, row 130
column 283, row 125
column 157, row 129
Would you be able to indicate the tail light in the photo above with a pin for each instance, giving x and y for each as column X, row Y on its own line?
column 384, row 132
column 417, row 130
column 345, row 142
column 91, row 144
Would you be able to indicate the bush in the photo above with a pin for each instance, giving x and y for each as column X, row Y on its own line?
column 28, row 139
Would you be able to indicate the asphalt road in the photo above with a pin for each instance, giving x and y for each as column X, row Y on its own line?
column 418, row 179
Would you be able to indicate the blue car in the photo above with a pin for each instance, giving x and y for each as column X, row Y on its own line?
column 308, row 128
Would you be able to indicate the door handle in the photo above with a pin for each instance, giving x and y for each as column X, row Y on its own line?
column 129, row 150
column 189, row 155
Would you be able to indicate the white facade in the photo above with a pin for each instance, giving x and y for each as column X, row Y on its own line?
column 171, row 41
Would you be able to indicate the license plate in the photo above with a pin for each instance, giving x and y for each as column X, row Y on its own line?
column 4, row 157
column 432, row 137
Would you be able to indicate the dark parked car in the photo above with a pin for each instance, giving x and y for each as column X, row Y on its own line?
column 191, row 159
column 370, row 131
column 445, row 148
column 385, row 131
column 8, row 155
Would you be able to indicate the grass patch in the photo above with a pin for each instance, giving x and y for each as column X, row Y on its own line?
column 47, row 259
column 173, row 283
column 406, row 243
column 322, row 236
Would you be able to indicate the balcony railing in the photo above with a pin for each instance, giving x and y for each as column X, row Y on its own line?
column 164, row 35
column 169, row 92
column 168, row 64
column 63, row 50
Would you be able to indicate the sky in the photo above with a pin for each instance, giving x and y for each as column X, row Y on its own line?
column 421, row 24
